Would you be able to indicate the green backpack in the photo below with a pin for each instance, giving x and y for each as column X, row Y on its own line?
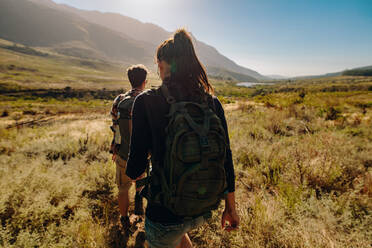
column 125, row 106
column 193, row 178
column 122, row 114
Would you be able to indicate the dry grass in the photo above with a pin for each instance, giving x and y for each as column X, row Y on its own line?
column 303, row 174
column 57, row 185
column 299, row 183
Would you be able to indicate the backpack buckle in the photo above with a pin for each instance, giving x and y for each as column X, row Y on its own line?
column 204, row 143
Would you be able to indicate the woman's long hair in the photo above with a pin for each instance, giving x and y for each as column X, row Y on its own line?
column 185, row 67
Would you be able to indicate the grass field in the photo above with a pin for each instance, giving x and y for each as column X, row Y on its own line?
column 302, row 152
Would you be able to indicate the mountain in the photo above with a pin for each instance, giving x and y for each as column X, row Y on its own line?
column 229, row 75
column 358, row 71
column 153, row 34
column 273, row 76
column 92, row 34
column 130, row 27
column 331, row 74
column 33, row 24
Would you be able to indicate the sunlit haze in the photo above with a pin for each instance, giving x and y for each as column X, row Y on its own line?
column 288, row 38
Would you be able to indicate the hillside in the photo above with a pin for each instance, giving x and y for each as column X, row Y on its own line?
column 358, row 71
column 38, row 25
column 331, row 74
column 275, row 76
column 361, row 71
column 219, row 73
column 150, row 35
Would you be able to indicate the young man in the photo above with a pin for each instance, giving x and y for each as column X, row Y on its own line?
column 121, row 113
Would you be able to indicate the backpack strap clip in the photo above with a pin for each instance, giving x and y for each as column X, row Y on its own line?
column 204, row 143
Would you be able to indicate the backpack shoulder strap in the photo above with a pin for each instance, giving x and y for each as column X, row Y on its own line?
column 165, row 91
column 212, row 104
column 159, row 177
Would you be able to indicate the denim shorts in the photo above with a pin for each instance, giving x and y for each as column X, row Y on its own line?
column 169, row 236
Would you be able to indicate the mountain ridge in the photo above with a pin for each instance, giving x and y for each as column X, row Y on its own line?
column 41, row 26
column 152, row 35
column 332, row 74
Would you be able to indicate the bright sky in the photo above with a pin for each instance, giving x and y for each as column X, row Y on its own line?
column 285, row 37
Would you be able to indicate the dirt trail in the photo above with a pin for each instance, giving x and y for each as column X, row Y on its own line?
column 133, row 238
column 237, row 104
column 43, row 120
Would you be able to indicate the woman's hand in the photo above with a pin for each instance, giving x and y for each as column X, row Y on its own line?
column 229, row 214
column 232, row 218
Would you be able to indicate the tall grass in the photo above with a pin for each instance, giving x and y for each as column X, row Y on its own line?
column 57, row 186
column 302, row 160
column 302, row 180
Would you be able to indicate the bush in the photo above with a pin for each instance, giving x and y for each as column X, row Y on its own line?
column 332, row 114
column 5, row 113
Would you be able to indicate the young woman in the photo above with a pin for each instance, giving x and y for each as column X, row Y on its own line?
column 186, row 80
